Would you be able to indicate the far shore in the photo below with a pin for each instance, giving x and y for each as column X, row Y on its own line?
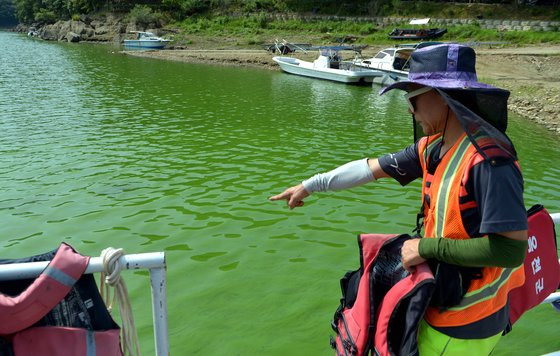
column 530, row 73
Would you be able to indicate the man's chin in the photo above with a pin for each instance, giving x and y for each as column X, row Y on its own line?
column 426, row 130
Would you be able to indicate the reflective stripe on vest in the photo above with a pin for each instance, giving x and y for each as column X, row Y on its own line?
column 46, row 291
column 486, row 292
column 443, row 220
column 432, row 145
column 425, row 147
column 90, row 343
column 59, row 276
column 443, row 193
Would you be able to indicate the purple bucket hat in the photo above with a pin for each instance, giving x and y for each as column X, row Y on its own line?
column 480, row 108
column 444, row 66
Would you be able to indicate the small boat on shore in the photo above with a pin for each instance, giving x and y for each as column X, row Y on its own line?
column 146, row 40
column 32, row 32
column 393, row 62
column 328, row 66
column 417, row 33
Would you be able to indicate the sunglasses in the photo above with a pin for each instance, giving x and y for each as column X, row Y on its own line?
column 411, row 95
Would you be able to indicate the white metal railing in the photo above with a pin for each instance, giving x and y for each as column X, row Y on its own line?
column 552, row 297
column 154, row 262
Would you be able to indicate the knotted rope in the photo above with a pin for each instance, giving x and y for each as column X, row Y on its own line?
column 111, row 277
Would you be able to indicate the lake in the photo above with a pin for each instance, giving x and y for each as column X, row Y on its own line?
column 99, row 149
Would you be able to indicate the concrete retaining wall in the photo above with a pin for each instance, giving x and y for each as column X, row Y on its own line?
column 501, row 25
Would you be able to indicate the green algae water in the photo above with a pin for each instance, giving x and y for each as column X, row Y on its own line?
column 99, row 149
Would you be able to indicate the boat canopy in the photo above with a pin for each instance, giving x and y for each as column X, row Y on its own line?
column 419, row 21
column 338, row 48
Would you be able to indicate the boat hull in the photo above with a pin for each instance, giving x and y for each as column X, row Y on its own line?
column 145, row 44
column 387, row 76
column 411, row 34
column 306, row 69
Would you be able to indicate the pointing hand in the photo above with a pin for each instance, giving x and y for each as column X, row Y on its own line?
column 294, row 196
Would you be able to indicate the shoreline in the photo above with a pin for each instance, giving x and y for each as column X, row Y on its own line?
column 229, row 57
column 529, row 73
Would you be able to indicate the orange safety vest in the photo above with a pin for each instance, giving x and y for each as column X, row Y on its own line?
column 442, row 219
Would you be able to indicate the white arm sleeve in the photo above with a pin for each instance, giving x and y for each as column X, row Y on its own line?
column 346, row 176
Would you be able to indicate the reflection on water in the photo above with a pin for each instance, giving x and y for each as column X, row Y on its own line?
column 99, row 149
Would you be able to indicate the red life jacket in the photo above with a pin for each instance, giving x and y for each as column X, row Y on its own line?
column 542, row 268
column 64, row 341
column 22, row 311
column 382, row 304
column 38, row 316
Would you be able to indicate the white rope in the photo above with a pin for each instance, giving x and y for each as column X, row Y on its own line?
column 111, row 277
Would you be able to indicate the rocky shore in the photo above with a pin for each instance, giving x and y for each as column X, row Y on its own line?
column 542, row 108
column 103, row 28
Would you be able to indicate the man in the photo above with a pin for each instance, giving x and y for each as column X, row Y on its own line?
column 472, row 199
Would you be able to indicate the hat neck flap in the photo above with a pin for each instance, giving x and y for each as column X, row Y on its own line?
column 484, row 120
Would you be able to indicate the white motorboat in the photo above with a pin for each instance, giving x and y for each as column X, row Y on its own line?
column 146, row 40
column 328, row 66
column 32, row 32
column 393, row 62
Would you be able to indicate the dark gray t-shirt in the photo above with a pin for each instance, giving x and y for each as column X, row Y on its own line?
column 496, row 189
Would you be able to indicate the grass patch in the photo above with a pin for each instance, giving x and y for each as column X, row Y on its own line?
column 253, row 28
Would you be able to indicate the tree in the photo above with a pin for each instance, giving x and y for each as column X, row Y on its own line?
column 28, row 11
column 25, row 10
column 7, row 13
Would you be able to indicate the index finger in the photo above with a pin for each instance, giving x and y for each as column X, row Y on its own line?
column 283, row 195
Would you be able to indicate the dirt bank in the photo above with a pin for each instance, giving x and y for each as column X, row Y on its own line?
column 532, row 74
